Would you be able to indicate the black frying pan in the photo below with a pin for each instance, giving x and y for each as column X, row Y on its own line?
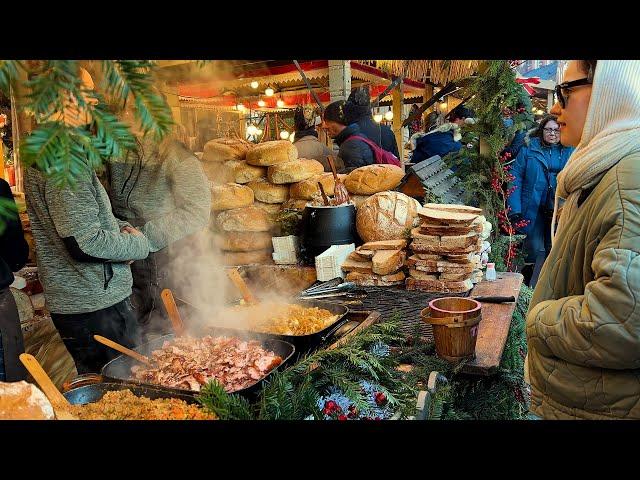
column 94, row 392
column 119, row 369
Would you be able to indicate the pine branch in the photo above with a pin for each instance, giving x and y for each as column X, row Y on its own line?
column 226, row 406
column 8, row 211
column 8, row 74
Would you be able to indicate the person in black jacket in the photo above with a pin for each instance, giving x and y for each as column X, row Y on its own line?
column 358, row 110
column 14, row 252
column 353, row 152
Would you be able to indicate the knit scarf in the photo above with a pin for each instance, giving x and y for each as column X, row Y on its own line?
column 611, row 132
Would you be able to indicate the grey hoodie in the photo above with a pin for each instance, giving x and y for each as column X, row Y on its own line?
column 80, row 251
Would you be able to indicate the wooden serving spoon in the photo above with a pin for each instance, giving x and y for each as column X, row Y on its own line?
column 340, row 192
column 324, row 195
column 172, row 310
column 240, row 284
column 123, row 349
column 58, row 402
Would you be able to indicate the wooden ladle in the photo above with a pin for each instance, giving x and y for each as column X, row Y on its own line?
column 240, row 284
column 58, row 402
column 172, row 310
column 123, row 349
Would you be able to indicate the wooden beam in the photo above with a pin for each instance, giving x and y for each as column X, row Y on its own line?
column 396, row 94
column 173, row 63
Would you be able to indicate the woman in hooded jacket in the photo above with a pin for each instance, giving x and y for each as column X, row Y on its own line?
column 583, row 324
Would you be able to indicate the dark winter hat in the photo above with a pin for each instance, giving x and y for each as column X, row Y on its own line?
column 358, row 105
column 360, row 96
column 335, row 112
column 461, row 111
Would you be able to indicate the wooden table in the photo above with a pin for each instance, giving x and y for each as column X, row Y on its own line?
column 496, row 320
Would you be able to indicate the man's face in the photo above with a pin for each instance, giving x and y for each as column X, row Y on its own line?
column 571, row 118
column 333, row 129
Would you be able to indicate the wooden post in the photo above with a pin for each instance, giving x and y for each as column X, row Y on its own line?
column 428, row 93
column 397, row 97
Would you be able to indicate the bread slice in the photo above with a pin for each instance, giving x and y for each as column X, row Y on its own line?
column 368, row 254
column 373, row 280
column 452, row 207
column 419, row 247
column 428, row 256
column 355, row 266
column 386, row 262
column 455, row 277
column 431, row 229
column 447, row 218
column 438, row 286
column 385, row 245
column 420, row 275
column 439, row 266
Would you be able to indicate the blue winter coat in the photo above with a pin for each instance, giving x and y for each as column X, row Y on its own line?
column 436, row 143
column 533, row 170
column 382, row 135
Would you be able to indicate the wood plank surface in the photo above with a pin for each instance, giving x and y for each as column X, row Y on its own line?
column 496, row 320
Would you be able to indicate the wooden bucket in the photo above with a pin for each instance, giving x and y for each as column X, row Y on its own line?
column 455, row 326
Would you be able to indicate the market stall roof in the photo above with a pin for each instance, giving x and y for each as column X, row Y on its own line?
column 435, row 72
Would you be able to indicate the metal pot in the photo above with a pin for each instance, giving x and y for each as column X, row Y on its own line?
column 325, row 226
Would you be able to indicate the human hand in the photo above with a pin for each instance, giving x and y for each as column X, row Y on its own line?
column 131, row 230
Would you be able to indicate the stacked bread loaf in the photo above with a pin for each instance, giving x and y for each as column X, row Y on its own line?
column 377, row 263
column 445, row 248
column 387, row 216
column 222, row 156
column 365, row 181
column 243, row 230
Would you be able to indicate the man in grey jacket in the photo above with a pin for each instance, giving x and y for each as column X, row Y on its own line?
column 161, row 189
column 83, row 254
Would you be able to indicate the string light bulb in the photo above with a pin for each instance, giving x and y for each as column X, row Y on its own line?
column 254, row 84
column 292, row 136
column 280, row 103
column 261, row 103
column 377, row 117
column 240, row 107
column 252, row 130
column 284, row 134
column 443, row 105
column 269, row 92
column 259, row 131
column 389, row 115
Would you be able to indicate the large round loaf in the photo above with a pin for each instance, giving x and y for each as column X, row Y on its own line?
column 268, row 192
column 386, row 216
column 230, row 195
column 306, row 189
column 373, row 179
column 271, row 208
column 246, row 258
column 358, row 200
column 245, row 173
column 243, row 241
column 223, row 149
column 271, row 153
column 245, row 219
column 294, row 171
column 295, row 204
column 220, row 172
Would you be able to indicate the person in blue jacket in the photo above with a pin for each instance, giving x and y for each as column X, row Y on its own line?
column 535, row 170
column 443, row 139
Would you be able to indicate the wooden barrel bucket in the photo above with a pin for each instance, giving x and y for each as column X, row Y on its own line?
column 455, row 326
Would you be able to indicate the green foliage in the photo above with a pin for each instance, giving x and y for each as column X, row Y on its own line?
column 8, row 211
column 8, row 74
column 226, row 406
column 499, row 249
column 288, row 221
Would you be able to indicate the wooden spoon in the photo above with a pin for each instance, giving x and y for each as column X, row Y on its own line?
column 240, row 284
column 123, row 349
column 324, row 195
column 340, row 192
column 172, row 311
column 58, row 402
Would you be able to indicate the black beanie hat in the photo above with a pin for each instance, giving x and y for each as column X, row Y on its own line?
column 335, row 112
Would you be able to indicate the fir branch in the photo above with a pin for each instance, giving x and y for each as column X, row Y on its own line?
column 226, row 406
column 8, row 74
column 8, row 211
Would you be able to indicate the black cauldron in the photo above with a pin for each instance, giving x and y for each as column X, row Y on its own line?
column 323, row 226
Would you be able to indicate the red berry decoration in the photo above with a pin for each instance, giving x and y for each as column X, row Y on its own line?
column 380, row 398
column 342, row 417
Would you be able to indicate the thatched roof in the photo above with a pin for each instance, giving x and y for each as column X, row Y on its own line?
column 438, row 72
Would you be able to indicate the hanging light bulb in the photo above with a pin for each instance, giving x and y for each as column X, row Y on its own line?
column 284, row 134
column 377, row 117
column 251, row 129
column 259, row 131
column 443, row 105
column 269, row 92
column 261, row 103
column 292, row 136
column 389, row 115
column 254, row 84
column 240, row 107
column 280, row 103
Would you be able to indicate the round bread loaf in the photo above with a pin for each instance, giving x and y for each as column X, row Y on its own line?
column 386, row 216
column 306, row 189
column 359, row 199
column 245, row 219
column 268, row 192
column 295, row 204
column 243, row 241
column 230, row 195
column 271, row 208
column 245, row 173
column 223, row 149
column 246, row 258
column 23, row 401
column 294, row 171
column 372, row 179
column 271, row 153
column 220, row 172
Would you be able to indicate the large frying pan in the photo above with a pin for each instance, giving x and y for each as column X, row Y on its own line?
column 119, row 369
column 94, row 392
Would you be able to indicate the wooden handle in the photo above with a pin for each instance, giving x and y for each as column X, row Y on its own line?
column 333, row 167
column 172, row 310
column 123, row 349
column 324, row 195
column 44, row 382
column 237, row 280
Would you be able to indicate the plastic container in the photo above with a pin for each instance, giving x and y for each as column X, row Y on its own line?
column 285, row 250
column 328, row 263
column 490, row 274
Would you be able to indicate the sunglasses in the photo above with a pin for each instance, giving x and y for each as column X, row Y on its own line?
column 562, row 98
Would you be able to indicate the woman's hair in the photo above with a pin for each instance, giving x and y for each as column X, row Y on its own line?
column 335, row 113
column 433, row 120
column 588, row 67
column 538, row 132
